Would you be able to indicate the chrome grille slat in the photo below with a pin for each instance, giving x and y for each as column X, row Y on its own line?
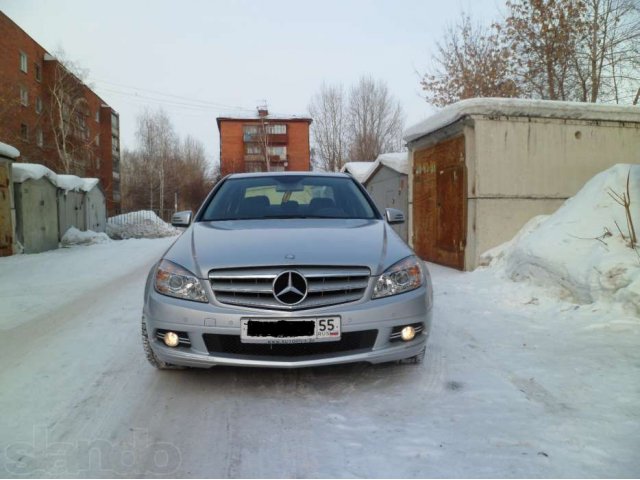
column 253, row 288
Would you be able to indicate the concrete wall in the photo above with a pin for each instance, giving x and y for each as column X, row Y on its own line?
column 521, row 157
column 388, row 189
column 95, row 210
column 36, row 215
column 71, row 211
column 518, row 168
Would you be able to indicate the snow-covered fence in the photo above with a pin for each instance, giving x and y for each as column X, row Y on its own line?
column 140, row 224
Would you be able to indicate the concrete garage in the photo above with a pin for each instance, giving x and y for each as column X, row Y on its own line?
column 387, row 183
column 71, row 205
column 95, row 205
column 481, row 168
column 36, row 207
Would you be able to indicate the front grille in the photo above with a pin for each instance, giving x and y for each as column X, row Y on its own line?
column 351, row 342
column 253, row 287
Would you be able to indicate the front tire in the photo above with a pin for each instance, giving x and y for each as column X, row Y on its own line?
column 150, row 354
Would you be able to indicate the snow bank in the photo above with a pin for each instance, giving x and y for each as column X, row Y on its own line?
column 73, row 236
column 359, row 170
column 140, row 224
column 9, row 151
column 518, row 107
column 22, row 172
column 578, row 251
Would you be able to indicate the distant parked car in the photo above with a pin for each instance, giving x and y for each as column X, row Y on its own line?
column 287, row 270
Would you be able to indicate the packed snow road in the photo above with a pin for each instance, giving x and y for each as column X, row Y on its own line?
column 515, row 384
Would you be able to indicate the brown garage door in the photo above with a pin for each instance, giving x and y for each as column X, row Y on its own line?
column 439, row 203
column 6, row 231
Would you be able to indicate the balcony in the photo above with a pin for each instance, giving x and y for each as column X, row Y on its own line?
column 255, row 163
column 272, row 138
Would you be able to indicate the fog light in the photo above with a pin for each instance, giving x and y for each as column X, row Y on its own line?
column 408, row 333
column 171, row 339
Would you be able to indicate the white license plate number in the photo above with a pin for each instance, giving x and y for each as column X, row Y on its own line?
column 287, row 330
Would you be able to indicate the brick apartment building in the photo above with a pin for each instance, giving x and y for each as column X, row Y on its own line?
column 28, row 77
column 244, row 141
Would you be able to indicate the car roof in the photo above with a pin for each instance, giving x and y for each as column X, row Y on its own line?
column 290, row 174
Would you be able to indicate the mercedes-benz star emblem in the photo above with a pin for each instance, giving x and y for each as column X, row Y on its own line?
column 290, row 288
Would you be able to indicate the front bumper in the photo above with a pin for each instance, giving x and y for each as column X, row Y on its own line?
column 197, row 320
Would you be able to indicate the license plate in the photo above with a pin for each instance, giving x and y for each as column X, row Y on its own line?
column 288, row 330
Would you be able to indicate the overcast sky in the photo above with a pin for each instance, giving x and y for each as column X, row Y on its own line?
column 202, row 59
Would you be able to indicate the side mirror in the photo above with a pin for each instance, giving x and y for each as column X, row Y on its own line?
column 394, row 216
column 181, row 219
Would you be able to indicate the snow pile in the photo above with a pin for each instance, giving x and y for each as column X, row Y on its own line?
column 518, row 107
column 73, row 236
column 579, row 251
column 140, row 224
column 359, row 170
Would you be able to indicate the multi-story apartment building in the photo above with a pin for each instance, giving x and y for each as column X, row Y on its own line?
column 264, row 143
column 52, row 117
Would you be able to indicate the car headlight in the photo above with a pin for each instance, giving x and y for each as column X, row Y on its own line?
column 404, row 276
column 175, row 281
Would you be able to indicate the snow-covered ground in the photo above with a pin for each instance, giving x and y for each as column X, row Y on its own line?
column 516, row 384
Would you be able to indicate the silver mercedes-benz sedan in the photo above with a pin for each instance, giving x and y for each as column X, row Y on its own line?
column 287, row 270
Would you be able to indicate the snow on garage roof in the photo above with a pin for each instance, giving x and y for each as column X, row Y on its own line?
column 8, row 151
column 359, row 170
column 397, row 161
column 21, row 172
column 517, row 107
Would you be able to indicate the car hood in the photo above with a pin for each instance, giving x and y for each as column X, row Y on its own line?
column 254, row 243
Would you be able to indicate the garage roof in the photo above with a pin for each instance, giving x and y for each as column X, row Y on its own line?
column 517, row 107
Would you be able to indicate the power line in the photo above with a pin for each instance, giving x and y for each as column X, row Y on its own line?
column 175, row 100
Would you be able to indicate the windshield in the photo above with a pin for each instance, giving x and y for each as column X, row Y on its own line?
column 295, row 196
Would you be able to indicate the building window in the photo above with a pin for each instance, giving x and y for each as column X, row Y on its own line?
column 39, row 138
column 23, row 62
column 38, row 105
column 38, row 71
column 97, row 140
column 24, row 132
column 253, row 150
column 24, row 96
column 277, row 129
column 98, row 163
column 98, row 116
column 278, row 152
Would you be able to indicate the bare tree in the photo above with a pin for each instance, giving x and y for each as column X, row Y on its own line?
column 606, row 59
column 158, row 143
column 328, row 110
column 68, row 113
column 375, row 120
column 164, row 173
column 543, row 35
column 470, row 62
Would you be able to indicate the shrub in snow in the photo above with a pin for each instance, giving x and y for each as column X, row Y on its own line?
column 140, row 224
column 73, row 236
column 579, row 250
